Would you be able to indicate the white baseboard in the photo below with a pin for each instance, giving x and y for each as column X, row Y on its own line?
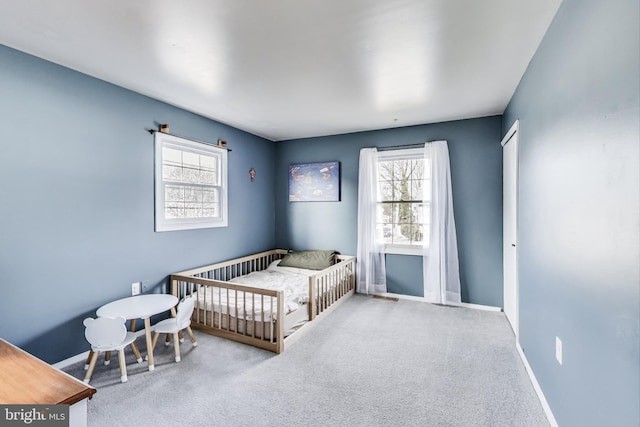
column 536, row 386
column 83, row 356
column 70, row 361
column 476, row 306
column 423, row 299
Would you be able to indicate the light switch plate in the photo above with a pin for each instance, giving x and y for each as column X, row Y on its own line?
column 559, row 350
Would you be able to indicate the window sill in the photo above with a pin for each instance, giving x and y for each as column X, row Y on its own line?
column 403, row 250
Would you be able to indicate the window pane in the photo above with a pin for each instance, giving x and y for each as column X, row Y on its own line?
column 387, row 213
column 385, row 170
column 209, row 195
column 382, row 235
column 171, row 164
column 396, row 172
column 173, row 193
column 418, row 213
column 386, row 191
column 183, row 201
column 405, row 213
column 189, row 167
column 209, row 168
column 416, row 234
column 416, row 190
column 417, row 169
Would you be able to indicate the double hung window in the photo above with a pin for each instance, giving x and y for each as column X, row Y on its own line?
column 404, row 200
column 190, row 184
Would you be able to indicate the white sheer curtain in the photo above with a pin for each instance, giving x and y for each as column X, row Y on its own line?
column 440, row 260
column 371, row 272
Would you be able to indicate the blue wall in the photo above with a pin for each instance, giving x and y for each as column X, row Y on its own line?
column 579, row 212
column 76, row 174
column 77, row 210
column 476, row 173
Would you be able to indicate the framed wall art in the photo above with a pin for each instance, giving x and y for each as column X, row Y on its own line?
column 314, row 182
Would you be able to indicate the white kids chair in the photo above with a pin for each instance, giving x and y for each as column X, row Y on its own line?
column 107, row 334
column 176, row 324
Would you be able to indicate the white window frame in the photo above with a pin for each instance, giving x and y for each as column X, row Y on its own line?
column 402, row 154
column 164, row 224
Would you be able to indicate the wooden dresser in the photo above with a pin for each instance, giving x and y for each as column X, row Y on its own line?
column 25, row 379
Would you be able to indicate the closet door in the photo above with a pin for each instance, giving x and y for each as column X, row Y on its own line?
column 510, row 225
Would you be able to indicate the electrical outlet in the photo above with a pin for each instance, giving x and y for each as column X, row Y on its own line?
column 559, row 350
column 135, row 288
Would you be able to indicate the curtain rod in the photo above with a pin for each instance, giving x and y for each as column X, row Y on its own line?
column 152, row 131
column 400, row 147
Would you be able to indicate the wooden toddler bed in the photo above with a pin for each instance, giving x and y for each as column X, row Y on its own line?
column 254, row 300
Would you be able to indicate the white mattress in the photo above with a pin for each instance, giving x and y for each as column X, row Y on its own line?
column 293, row 281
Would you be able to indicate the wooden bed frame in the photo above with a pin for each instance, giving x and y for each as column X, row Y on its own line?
column 327, row 289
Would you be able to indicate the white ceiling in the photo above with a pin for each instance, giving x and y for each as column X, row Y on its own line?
column 286, row 69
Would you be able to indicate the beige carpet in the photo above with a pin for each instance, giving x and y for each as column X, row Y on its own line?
column 372, row 362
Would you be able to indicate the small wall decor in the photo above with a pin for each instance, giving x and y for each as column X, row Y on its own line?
column 222, row 143
column 164, row 128
column 314, row 182
column 252, row 173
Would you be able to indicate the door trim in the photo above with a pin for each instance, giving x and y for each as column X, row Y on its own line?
column 514, row 128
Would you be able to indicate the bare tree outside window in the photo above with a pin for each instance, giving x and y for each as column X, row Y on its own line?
column 191, row 180
column 404, row 191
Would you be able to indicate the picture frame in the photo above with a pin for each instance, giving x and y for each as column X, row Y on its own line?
column 314, row 182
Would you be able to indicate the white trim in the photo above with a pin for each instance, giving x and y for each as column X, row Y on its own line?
column 187, row 145
column 423, row 299
column 536, row 387
column 400, row 155
column 83, row 356
column 402, row 296
column 78, row 414
column 411, row 250
column 70, row 361
column 512, row 131
column 476, row 306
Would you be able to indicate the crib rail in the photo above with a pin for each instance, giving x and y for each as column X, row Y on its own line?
column 235, row 316
column 331, row 284
column 253, row 315
column 239, row 312
column 228, row 270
